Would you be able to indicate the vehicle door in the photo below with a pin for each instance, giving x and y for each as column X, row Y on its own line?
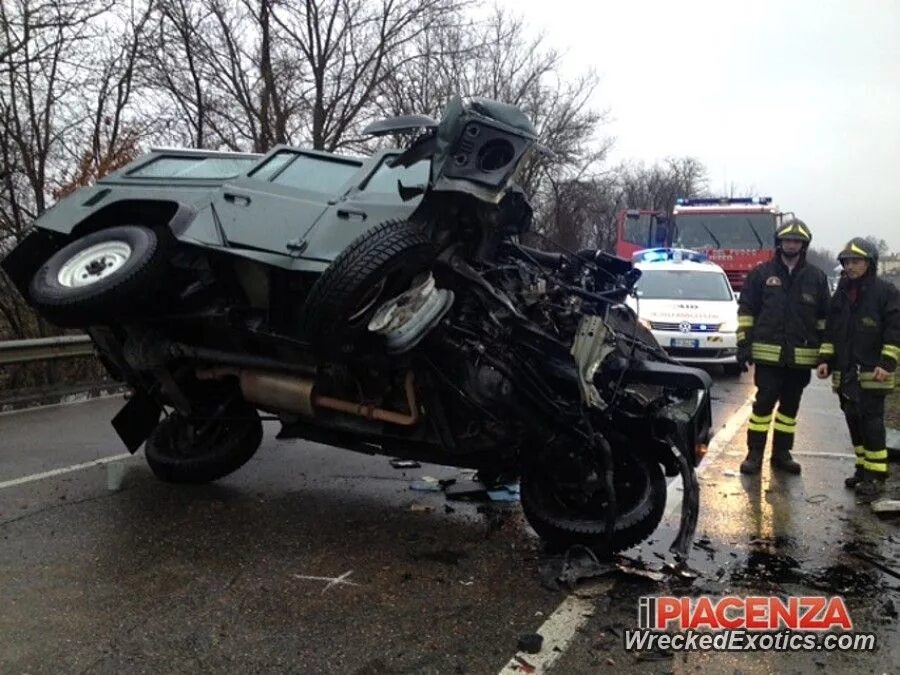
column 274, row 206
column 373, row 201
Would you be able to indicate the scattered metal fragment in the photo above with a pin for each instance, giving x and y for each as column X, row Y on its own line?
column 405, row 464
column 817, row 499
column 636, row 571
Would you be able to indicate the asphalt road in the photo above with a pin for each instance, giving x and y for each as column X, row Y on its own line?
column 151, row 577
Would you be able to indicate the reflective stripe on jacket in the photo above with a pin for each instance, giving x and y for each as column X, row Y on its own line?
column 863, row 335
column 781, row 314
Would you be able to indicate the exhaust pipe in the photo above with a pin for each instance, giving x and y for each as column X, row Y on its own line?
column 291, row 394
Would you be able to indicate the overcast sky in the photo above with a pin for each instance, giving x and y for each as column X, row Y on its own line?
column 799, row 100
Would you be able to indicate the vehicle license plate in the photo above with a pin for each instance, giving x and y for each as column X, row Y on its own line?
column 685, row 342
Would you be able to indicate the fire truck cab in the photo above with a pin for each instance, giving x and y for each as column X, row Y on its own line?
column 735, row 233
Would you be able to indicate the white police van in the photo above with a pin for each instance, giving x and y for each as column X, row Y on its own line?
column 688, row 304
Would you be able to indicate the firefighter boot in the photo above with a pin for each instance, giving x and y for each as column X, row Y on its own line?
column 869, row 488
column 860, row 473
column 752, row 465
column 854, row 480
column 781, row 459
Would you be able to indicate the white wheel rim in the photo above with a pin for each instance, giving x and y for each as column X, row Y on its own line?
column 94, row 263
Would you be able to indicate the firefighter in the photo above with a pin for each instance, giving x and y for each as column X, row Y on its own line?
column 781, row 318
column 861, row 351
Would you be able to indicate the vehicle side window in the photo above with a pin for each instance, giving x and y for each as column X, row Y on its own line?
column 272, row 166
column 193, row 167
column 317, row 174
column 385, row 177
column 637, row 230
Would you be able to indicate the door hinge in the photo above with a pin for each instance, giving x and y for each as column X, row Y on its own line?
column 296, row 246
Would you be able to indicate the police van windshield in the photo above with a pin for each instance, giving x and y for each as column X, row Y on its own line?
column 683, row 285
column 753, row 231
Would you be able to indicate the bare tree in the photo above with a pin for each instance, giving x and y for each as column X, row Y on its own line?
column 350, row 48
column 66, row 68
column 658, row 186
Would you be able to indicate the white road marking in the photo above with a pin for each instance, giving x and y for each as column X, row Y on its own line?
column 74, row 401
column 561, row 627
column 58, row 472
column 558, row 631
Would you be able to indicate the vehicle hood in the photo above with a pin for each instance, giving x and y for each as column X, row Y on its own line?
column 695, row 311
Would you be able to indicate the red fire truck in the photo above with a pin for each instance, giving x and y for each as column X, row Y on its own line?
column 735, row 233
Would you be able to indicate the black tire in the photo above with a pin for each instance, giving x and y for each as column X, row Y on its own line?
column 378, row 265
column 224, row 448
column 640, row 511
column 110, row 298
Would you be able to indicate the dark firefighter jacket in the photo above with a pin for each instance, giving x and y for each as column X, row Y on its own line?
column 865, row 334
column 781, row 314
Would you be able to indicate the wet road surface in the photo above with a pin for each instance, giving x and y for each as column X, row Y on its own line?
column 154, row 577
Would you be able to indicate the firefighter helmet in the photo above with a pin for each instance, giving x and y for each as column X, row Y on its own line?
column 859, row 248
column 793, row 229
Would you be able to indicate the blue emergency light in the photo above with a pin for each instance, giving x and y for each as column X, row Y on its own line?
column 722, row 201
column 665, row 254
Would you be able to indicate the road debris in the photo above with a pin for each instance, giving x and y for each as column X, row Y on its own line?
column 477, row 491
column 817, row 499
column 523, row 665
column 531, row 643
column 886, row 506
column 578, row 563
column 405, row 464
column 115, row 473
column 425, row 484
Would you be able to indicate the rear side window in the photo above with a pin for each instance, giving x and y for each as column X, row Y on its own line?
column 193, row 167
column 317, row 174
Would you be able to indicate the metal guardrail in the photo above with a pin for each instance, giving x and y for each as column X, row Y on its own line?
column 61, row 347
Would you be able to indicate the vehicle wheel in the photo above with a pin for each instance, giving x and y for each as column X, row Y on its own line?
column 184, row 450
column 379, row 265
column 732, row 369
column 563, row 522
column 100, row 277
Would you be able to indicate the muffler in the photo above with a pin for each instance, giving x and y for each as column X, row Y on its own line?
column 278, row 393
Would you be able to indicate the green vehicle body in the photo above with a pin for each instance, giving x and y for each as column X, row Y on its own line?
column 291, row 208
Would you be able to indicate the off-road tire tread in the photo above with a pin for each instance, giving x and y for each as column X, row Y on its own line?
column 352, row 268
column 233, row 454
column 565, row 532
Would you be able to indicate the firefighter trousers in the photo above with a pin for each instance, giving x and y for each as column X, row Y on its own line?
column 865, row 420
column 781, row 385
